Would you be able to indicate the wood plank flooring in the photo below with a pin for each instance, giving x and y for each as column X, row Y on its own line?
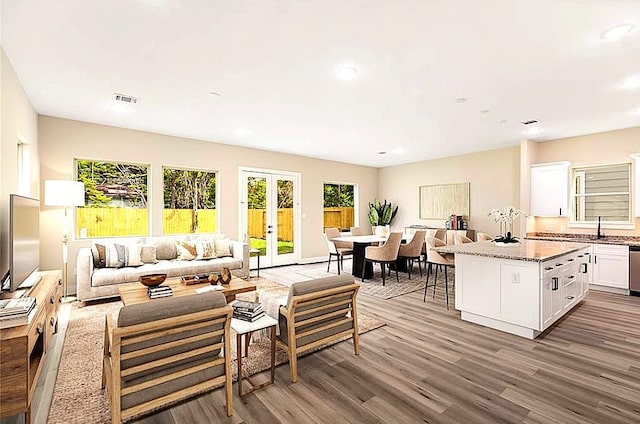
column 427, row 365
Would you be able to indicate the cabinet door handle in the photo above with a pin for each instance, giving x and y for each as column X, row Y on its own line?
column 554, row 283
column 51, row 300
column 570, row 297
column 570, row 260
column 572, row 276
column 595, row 259
column 584, row 268
column 560, row 211
column 560, row 264
column 548, row 268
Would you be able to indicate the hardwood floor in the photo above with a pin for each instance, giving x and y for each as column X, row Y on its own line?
column 427, row 365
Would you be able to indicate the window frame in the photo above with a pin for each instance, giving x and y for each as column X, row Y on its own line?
column 217, row 199
column 575, row 198
column 77, row 234
column 356, row 195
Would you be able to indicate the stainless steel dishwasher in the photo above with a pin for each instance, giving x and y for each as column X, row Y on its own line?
column 634, row 269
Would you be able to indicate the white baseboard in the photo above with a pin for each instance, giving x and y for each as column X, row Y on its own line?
column 607, row 289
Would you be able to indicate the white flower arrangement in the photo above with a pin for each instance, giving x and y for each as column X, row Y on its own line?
column 505, row 216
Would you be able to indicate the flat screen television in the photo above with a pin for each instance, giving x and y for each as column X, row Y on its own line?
column 24, row 241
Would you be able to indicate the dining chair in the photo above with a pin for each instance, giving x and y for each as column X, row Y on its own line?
column 385, row 254
column 483, row 237
column 361, row 231
column 440, row 260
column 413, row 250
column 460, row 239
column 337, row 248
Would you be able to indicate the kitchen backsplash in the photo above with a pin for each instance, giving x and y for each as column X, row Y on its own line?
column 560, row 225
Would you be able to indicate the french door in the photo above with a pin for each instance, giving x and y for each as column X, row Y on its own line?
column 270, row 216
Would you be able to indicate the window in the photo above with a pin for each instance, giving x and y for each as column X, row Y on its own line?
column 602, row 191
column 116, row 199
column 189, row 201
column 338, row 205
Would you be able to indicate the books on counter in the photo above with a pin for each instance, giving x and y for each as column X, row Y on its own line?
column 247, row 311
column 14, row 312
column 159, row 291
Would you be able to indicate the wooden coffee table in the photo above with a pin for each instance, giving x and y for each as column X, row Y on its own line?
column 137, row 293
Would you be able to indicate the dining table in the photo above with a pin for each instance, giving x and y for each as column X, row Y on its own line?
column 360, row 243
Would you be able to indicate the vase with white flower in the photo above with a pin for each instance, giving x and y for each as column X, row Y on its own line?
column 505, row 217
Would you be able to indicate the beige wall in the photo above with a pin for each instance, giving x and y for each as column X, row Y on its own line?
column 18, row 122
column 63, row 140
column 494, row 176
column 593, row 149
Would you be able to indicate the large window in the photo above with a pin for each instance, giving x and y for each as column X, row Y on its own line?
column 338, row 205
column 602, row 191
column 189, row 201
column 115, row 199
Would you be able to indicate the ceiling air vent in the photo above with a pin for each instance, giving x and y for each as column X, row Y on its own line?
column 125, row 98
column 533, row 121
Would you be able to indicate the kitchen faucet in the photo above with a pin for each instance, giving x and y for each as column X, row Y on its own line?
column 600, row 234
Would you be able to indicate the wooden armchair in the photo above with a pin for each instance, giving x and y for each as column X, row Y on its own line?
column 166, row 350
column 318, row 312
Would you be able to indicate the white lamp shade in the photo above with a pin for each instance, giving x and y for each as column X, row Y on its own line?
column 63, row 193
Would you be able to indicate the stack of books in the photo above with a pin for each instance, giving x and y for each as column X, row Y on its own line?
column 159, row 291
column 247, row 311
column 15, row 312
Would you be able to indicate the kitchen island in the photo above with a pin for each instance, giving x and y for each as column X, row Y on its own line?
column 519, row 288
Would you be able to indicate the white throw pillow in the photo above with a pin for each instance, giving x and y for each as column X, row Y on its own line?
column 205, row 249
column 186, row 250
column 223, row 247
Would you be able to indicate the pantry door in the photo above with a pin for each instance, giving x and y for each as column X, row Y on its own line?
column 270, row 216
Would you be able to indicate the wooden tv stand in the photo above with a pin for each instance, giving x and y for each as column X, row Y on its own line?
column 23, row 348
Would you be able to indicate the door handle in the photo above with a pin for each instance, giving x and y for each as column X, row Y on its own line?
column 554, row 283
column 584, row 268
column 269, row 232
column 595, row 259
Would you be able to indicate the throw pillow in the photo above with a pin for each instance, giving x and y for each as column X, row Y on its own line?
column 223, row 247
column 148, row 254
column 165, row 248
column 110, row 255
column 205, row 249
column 186, row 251
column 132, row 253
column 99, row 260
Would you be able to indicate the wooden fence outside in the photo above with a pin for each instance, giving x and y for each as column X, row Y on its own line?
column 340, row 218
column 108, row 222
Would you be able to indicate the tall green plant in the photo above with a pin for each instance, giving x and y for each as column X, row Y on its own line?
column 381, row 213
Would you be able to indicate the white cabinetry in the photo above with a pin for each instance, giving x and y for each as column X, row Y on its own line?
column 611, row 266
column 550, row 189
column 561, row 285
column 636, row 171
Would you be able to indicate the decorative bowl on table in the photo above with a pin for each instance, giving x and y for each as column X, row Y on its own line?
column 153, row 280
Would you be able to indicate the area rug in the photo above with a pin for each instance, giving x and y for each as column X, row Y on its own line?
column 374, row 287
column 77, row 397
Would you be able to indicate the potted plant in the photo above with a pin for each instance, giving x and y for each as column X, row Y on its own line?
column 380, row 216
column 505, row 217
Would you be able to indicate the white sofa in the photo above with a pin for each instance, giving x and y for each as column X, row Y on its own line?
column 96, row 283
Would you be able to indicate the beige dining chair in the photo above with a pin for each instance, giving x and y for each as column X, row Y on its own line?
column 385, row 254
column 460, row 239
column 439, row 260
column 483, row 237
column 413, row 250
column 361, row 231
column 337, row 248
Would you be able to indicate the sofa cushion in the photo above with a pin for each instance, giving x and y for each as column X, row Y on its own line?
column 148, row 254
column 132, row 253
column 110, row 255
column 223, row 247
column 205, row 249
column 165, row 247
column 109, row 276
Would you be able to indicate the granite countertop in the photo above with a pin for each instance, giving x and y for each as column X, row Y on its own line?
column 586, row 238
column 526, row 250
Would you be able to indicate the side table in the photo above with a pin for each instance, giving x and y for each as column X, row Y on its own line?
column 252, row 252
column 244, row 329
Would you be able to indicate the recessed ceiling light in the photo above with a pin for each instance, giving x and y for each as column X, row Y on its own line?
column 461, row 100
column 347, row 72
column 630, row 83
column 533, row 131
column 382, row 153
column 484, row 111
column 214, row 94
column 503, row 121
column 617, row 32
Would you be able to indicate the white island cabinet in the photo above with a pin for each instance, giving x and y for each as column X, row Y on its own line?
column 520, row 289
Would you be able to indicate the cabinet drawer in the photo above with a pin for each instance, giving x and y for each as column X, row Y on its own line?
column 38, row 327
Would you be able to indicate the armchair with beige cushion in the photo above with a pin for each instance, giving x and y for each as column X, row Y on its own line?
column 385, row 254
column 439, row 260
column 413, row 250
column 166, row 350
column 318, row 312
column 337, row 248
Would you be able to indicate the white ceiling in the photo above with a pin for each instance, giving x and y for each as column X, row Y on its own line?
column 273, row 64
